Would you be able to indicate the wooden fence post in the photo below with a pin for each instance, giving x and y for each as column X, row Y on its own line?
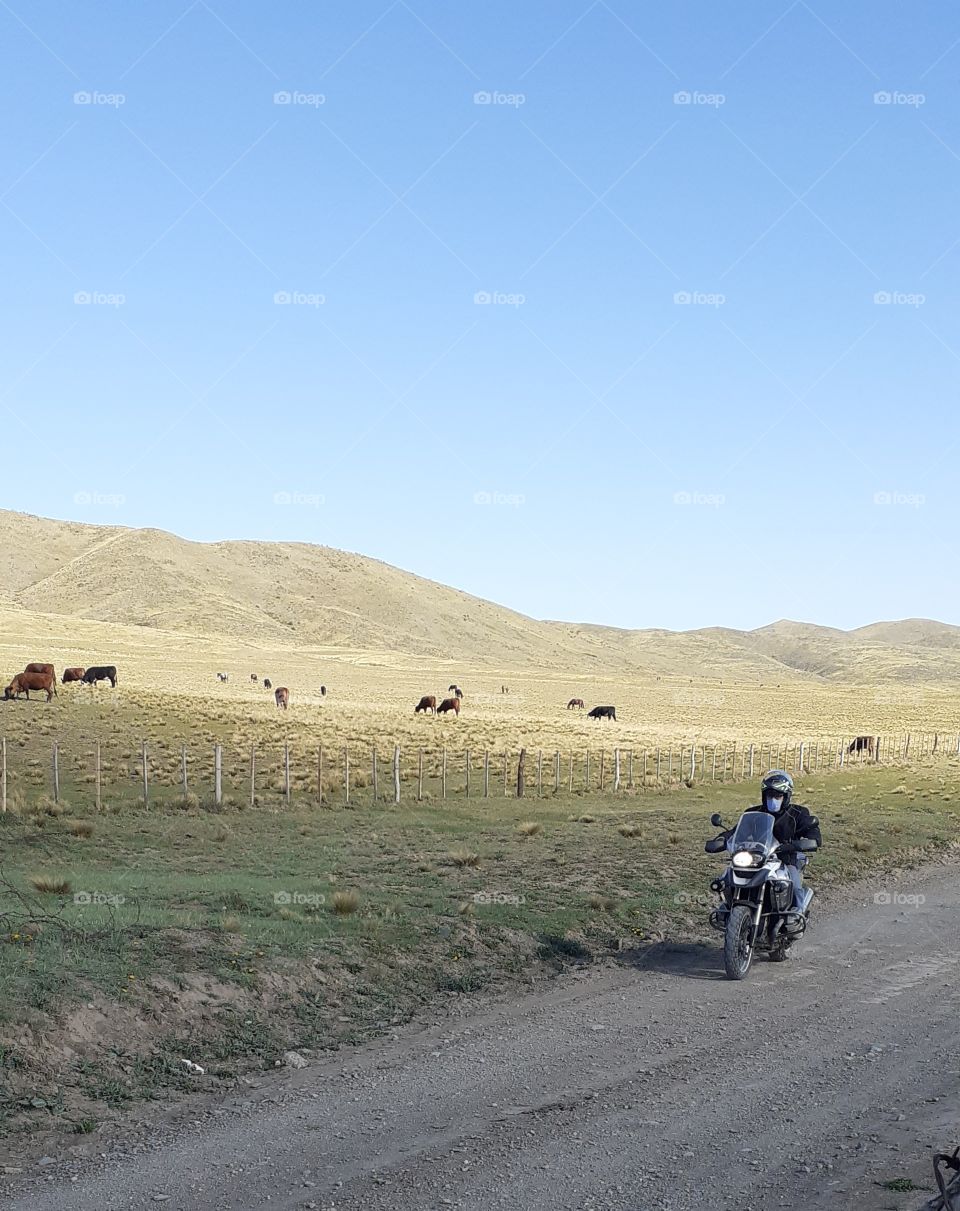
column 658, row 767
column 539, row 773
column 800, row 765
column 3, row 774
column 486, row 773
column 751, row 760
column 376, row 779
column 520, row 772
column 506, row 764
column 183, row 769
column 217, row 787
column 630, row 769
column 876, row 749
column 143, row 765
column 56, row 772
column 443, row 773
column 466, row 764
column 603, row 753
column 396, row 773
column 346, row 774
column 570, row 774
column 693, row 762
column 616, row 769
column 906, row 749
column 96, row 777
column 587, row 776
column 253, row 776
column 556, row 772
column 286, row 774
column 420, row 775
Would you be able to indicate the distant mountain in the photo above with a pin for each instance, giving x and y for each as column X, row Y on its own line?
column 296, row 593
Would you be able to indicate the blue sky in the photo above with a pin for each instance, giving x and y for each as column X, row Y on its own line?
column 643, row 315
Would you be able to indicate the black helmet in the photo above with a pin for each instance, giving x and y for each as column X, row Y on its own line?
column 777, row 782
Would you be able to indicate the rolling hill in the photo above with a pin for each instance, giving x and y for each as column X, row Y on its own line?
column 296, row 594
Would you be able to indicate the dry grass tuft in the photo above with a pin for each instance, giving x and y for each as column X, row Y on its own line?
column 344, row 903
column 231, row 924
column 79, row 828
column 529, row 828
column 464, row 857
column 630, row 830
column 601, row 903
column 47, row 885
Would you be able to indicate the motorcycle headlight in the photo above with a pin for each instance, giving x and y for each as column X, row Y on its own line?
column 743, row 859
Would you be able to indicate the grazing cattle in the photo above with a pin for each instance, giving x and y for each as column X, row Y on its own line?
column 42, row 668
column 862, row 744
column 23, row 683
column 603, row 712
column 455, row 690
column 253, row 677
column 282, row 695
column 72, row 675
column 267, row 683
column 222, row 677
column 427, row 703
column 101, row 672
column 576, row 702
column 449, row 704
column 323, row 691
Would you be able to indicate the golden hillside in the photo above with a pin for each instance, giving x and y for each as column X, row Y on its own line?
column 296, row 594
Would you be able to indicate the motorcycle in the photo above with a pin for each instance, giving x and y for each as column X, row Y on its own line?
column 756, row 909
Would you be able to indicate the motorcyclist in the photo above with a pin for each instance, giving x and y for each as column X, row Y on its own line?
column 792, row 823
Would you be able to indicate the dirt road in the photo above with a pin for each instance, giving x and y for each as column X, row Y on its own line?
column 653, row 1084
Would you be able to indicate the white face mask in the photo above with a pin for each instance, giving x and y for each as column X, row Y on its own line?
column 773, row 803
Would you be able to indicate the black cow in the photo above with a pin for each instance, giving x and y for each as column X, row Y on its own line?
column 101, row 672
column 603, row 712
column 223, row 677
column 267, row 683
column 323, row 691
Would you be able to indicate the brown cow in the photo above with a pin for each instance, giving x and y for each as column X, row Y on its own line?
column 72, row 675
column 282, row 695
column 43, row 668
column 449, row 704
column 578, row 702
column 23, row 683
column 427, row 703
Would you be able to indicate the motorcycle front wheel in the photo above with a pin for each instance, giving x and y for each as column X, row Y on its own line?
column 738, row 942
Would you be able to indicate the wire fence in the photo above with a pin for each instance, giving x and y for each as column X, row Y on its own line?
column 94, row 773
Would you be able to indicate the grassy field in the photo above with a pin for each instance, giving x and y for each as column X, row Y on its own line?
column 133, row 939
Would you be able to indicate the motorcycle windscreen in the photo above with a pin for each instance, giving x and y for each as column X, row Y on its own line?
column 755, row 828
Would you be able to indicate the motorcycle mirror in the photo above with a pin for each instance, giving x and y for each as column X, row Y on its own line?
column 716, row 820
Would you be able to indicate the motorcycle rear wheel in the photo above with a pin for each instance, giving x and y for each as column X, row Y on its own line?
column 738, row 943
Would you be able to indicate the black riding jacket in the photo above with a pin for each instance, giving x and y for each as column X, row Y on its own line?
column 793, row 824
